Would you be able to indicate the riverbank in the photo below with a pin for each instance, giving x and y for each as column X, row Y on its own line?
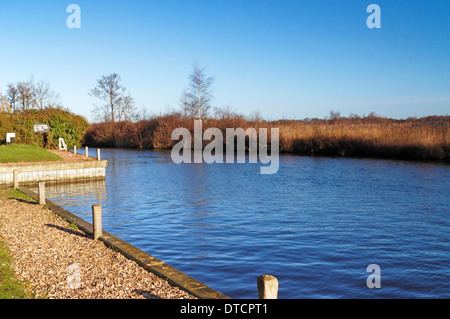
column 19, row 153
column 10, row 286
column 372, row 136
column 70, row 167
column 56, row 260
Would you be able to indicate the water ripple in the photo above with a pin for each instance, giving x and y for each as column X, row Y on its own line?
column 316, row 224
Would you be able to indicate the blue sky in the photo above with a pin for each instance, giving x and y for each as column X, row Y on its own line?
column 286, row 59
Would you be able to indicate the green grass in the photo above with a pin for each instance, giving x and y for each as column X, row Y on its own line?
column 15, row 153
column 16, row 194
column 10, row 286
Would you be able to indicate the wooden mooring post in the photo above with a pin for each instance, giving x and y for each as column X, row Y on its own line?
column 267, row 287
column 75, row 149
column 98, row 154
column 97, row 221
column 16, row 179
column 86, row 151
column 41, row 193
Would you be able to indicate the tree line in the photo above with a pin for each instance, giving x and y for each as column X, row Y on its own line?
column 119, row 105
column 120, row 125
column 30, row 95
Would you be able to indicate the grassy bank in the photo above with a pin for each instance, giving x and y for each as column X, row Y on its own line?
column 10, row 286
column 426, row 138
column 15, row 153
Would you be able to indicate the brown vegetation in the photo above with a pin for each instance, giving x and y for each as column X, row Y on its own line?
column 421, row 139
column 372, row 136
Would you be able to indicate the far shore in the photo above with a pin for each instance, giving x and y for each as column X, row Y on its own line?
column 423, row 139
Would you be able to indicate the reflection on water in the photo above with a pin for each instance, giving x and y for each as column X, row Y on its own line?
column 316, row 224
column 89, row 191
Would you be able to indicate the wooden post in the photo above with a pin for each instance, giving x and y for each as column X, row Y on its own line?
column 98, row 154
column 97, row 221
column 74, row 149
column 16, row 179
column 41, row 192
column 267, row 287
column 86, row 150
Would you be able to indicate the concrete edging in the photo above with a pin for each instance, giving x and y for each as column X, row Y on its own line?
column 143, row 259
column 31, row 173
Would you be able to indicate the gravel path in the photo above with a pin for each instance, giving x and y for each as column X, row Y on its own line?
column 68, row 156
column 63, row 263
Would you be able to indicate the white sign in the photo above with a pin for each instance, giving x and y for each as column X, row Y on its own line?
column 9, row 136
column 61, row 144
column 41, row 128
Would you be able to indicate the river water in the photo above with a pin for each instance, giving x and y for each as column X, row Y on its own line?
column 316, row 225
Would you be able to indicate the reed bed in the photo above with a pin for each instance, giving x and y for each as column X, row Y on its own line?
column 421, row 139
column 425, row 138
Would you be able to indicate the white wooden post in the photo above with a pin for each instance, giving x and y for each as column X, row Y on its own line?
column 267, row 287
column 16, row 179
column 97, row 221
column 41, row 193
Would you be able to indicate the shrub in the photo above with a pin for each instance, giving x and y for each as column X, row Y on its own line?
column 371, row 136
column 63, row 124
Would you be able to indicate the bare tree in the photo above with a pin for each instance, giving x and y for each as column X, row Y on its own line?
column 44, row 96
column 112, row 93
column 4, row 105
column 127, row 110
column 12, row 95
column 25, row 94
column 334, row 115
column 196, row 99
column 188, row 104
column 255, row 116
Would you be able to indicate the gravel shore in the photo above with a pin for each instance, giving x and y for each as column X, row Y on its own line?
column 61, row 262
